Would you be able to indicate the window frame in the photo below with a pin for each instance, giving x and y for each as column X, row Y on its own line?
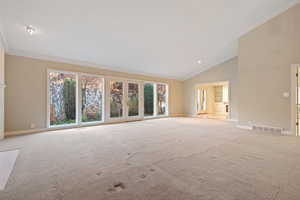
column 155, row 106
column 108, row 113
column 80, row 100
column 154, row 100
column 48, row 100
column 140, row 99
column 167, row 100
column 106, row 99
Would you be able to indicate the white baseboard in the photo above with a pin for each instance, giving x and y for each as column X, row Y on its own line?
column 31, row 131
column 286, row 132
column 24, row 132
column 207, row 117
column 244, row 127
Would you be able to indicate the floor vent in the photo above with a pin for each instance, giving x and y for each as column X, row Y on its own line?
column 268, row 129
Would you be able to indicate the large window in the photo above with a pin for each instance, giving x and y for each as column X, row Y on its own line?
column 161, row 99
column 91, row 98
column 77, row 99
column 155, row 99
column 133, row 99
column 116, row 99
column 62, row 96
column 148, row 99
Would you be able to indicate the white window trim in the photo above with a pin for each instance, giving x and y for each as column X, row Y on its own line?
column 155, row 107
column 141, row 100
column 106, row 100
column 167, row 101
column 48, row 100
column 80, row 100
column 154, row 100
column 108, row 117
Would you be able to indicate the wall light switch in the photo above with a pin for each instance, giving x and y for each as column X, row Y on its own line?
column 286, row 94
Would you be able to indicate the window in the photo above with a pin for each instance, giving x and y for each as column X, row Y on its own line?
column 201, row 101
column 155, row 99
column 116, row 99
column 75, row 99
column 62, row 97
column 161, row 99
column 218, row 94
column 148, row 99
column 133, row 99
column 91, row 98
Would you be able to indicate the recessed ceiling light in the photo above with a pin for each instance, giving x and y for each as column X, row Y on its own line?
column 199, row 61
column 30, row 29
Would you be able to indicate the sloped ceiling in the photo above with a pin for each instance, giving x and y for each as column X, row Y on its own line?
column 162, row 38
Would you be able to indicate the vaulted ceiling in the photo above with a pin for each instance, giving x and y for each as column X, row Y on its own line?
column 163, row 38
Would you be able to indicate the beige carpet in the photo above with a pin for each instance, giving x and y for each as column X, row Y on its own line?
column 7, row 163
column 164, row 159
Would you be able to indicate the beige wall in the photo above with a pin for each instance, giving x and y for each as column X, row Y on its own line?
column 257, row 79
column 26, row 90
column 265, row 57
column 227, row 71
column 2, row 86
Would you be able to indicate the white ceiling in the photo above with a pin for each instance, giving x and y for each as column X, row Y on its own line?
column 162, row 38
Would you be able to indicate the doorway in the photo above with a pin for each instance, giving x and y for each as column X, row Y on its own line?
column 212, row 100
column 124, row 100
column 295, row 100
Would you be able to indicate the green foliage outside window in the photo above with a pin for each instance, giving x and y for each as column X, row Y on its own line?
column 70, row 99
column 148, row 99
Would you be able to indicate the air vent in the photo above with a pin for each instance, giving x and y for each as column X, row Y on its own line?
column 268, row 129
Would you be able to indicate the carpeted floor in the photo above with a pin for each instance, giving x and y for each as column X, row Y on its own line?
column 163, row 159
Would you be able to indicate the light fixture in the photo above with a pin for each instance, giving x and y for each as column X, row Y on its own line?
column 199, row 61
column 30, row 29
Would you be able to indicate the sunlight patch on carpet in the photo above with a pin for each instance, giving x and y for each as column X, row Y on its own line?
column 7, row 163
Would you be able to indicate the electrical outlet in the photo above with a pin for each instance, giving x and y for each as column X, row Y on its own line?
column 32, row 125
column 286, row 94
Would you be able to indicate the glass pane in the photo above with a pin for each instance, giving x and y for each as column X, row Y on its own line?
column 202, row 101
column 92, row 98
column 116, row 99
column 161, row 99
column 133, row 99
column 148, row 99
column 62, row 98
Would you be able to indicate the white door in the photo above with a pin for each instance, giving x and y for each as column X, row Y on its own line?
column 134, row 100
column 125, row 100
